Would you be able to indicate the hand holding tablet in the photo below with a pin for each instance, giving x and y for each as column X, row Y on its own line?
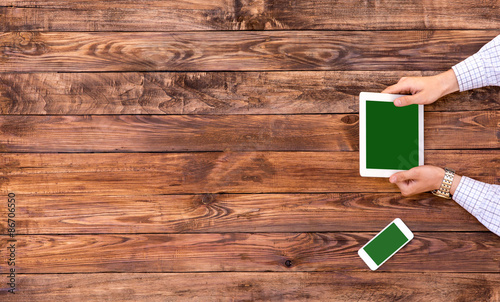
column 391, row 139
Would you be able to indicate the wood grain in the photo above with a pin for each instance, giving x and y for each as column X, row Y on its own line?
column 178, row 133
column 283, row 286
column 157, row 15
column 427, row 252
column 238, row 51
column 160, row 133
column 168, row 150
column 212, row 93
column 224, row 213
column 214, row 172
column 117, row 15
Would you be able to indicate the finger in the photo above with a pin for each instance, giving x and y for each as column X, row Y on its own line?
column 406, row 187
column 407, row 190
column 400, row 87
column 392, row 89
column 405, row 85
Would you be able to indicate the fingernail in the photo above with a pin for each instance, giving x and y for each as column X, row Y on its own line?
column 397, row 102
column 392, row 179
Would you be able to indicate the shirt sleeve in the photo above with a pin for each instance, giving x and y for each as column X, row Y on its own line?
column 481, row 200
column 481, row 69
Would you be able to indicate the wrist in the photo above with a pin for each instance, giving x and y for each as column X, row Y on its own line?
column 454, row 185
column 438, row 178
column 448, row 82
column 448, row 179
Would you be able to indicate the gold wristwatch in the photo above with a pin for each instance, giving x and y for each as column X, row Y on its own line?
column 444, row 190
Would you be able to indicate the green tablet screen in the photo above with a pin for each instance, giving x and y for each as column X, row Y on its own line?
column 391, row 136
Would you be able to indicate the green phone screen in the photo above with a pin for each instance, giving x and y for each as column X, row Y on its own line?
column 385, row 244
column 391, row 136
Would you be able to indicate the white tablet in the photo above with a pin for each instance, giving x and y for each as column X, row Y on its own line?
column 391, row 139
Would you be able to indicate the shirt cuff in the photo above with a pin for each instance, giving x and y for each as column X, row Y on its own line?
column 468, row 194
column 470, row 73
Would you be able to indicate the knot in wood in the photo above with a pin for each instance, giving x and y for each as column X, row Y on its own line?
column 208, row 198
column 350, row 119
column 28, row 43
column 288, row 263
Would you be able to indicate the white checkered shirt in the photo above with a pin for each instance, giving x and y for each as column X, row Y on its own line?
column 481, row 69
column 481, row 200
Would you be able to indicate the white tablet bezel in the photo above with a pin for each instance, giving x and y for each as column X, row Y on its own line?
column 383, row 97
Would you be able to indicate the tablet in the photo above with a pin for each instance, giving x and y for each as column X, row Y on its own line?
column 391, row 139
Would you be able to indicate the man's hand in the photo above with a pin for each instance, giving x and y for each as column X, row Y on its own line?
column 424, row 90
column 421, row 179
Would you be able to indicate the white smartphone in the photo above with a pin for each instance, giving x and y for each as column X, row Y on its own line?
column 385, row 244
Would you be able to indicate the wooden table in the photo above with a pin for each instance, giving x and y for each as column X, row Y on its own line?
column 208, row 150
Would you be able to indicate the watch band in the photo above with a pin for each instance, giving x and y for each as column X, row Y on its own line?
column 444, row 189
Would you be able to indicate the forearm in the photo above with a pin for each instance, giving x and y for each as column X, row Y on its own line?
column 480, row 199
column 481, row 69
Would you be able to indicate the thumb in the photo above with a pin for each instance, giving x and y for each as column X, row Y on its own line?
column 401, row 176
column 406, row 100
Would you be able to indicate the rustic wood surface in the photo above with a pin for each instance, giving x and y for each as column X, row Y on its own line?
column 153, row 133
column 233, row 50
column 285, row 92
column 226, row 213
column 250, row 286
column 208, row 150
column 248, row 252
column 214, row 172
column 182, row 15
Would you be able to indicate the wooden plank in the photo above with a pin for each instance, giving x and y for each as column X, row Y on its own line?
column 178, row 133
column 160, row 133
column 299, row 286
column 117, row 15
column 238, row 51
column 467, row 127
column 157, row 15
column 427, row 252
column 88, row 214
column 211, row 93
column 214, row 172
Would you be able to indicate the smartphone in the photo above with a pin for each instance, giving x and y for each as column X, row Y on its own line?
column 385, row 244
